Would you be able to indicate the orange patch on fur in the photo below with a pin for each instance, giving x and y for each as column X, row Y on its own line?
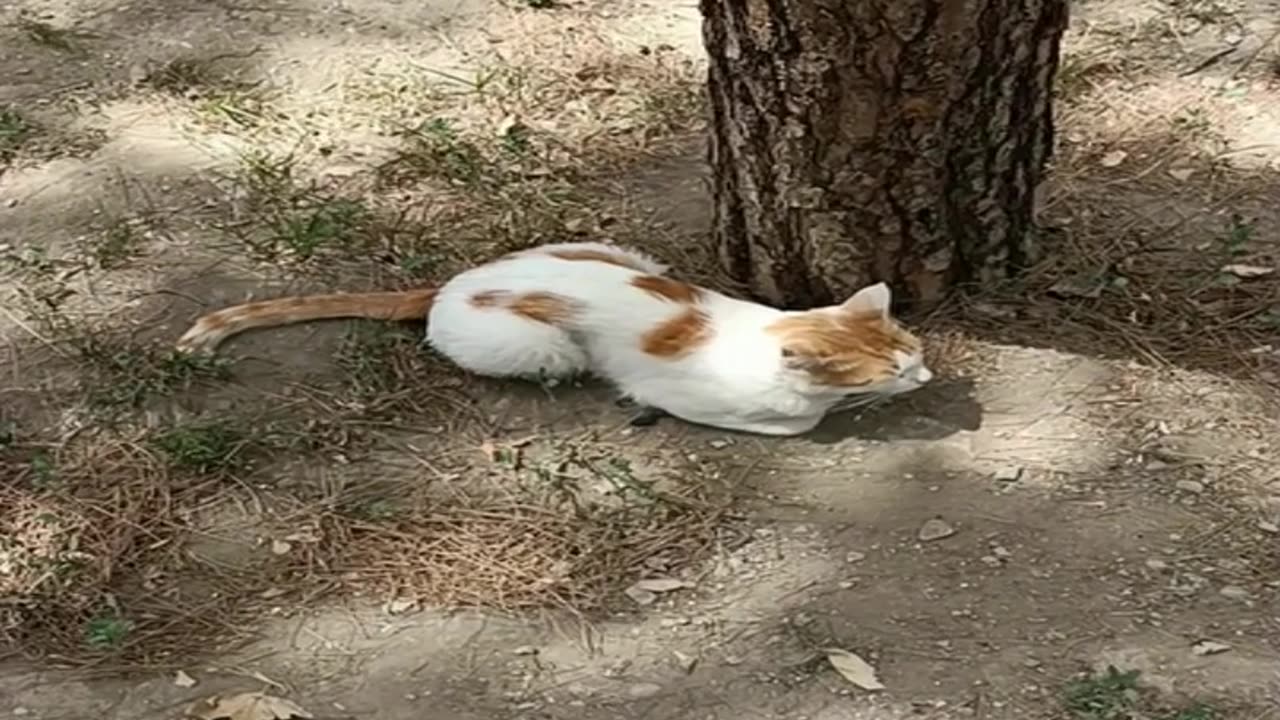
column 543, row 307
column 598, row 256
column 844, row 350
column 668, row 289
column 488, row 298
column 678, row 336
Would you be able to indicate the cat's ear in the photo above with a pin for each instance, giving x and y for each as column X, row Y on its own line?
column 870, row 300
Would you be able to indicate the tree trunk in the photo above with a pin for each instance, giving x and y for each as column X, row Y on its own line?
column 864, row 140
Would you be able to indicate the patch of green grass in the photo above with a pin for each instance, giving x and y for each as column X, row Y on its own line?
column 373, row 357
column 435, row 148
column 34, row 260
column 107, row 631
column 43, row 473
column 129, row 374
column 14, row 130
column 1115, row 695
column 1198, row 712
column 320, row 223
column 374, row 510
column 1238, row 236
column 242, row 107
column 515, row 140
column 1111, row 696
column 268, row 176
column 296, row 219
column 1234, row 243
column 205, row 446
column 119, row 242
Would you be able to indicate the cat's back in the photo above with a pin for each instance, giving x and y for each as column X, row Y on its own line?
column 590, row 277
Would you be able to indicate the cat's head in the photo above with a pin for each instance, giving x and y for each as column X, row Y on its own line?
column 854, row 348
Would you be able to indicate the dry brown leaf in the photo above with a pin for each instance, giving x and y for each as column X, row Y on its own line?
column 1248, row 271
column 661, row 585
column 1113, row 158
column 1209, row 647
column 854, row 669
column 246, row 706
column 183, row 680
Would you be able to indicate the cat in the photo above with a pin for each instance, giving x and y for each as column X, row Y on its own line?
column 564, row 309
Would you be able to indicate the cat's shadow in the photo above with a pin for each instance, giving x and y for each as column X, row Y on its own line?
column 936, row 411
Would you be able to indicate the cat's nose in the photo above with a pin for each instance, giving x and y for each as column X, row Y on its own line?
column 924, row 375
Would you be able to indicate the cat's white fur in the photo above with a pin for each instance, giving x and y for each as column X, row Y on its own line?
column 736, row 380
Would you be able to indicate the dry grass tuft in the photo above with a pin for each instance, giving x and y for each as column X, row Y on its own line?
column 1147, row 268
column 521, row 556
column 88, row 545
column 103, row 539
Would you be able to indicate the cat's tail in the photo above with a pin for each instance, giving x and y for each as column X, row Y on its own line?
column 210, row 330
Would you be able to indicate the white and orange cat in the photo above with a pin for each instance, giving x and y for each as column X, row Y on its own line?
column 563, row 309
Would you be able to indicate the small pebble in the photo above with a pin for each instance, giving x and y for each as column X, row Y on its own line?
column 639, row 691
column 935, row 529
column 1010, row 474
column 1235, row 592
column 685, row 662
column 1191, row 486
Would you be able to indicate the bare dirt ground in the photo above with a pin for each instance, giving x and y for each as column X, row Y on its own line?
column 335, row 517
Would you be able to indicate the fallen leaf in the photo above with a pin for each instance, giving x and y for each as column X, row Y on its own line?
column 640, row 597
column 1113, row 158
column 183, row 680
column 401, row 606
column 1209, row 647
column 661, row 585
column 1248, row 271
column 854, row 669
column 1180, row 174
column 246, row 706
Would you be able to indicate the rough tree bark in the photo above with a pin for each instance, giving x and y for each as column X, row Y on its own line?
column 863, row 140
